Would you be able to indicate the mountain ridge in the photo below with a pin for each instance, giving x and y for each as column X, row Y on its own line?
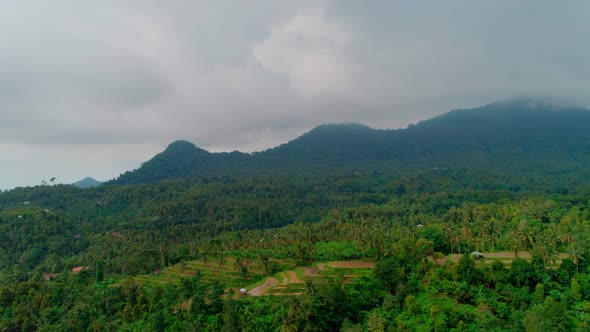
column 514, row 134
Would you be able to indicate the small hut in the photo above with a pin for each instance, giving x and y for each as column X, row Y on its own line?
column 477, row 255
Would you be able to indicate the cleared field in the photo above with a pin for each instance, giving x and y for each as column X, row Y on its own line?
column 506, row 257
column 351, row 264
column 264, row 287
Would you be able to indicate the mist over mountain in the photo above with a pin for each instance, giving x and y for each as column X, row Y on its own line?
column 522, row 135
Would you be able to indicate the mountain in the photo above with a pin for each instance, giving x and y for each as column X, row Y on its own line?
column 87, row 182
column 181, row 159
column 518, row 135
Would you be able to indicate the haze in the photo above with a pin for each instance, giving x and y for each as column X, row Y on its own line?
column 97, row 88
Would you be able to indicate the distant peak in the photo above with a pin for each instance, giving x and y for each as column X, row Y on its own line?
column 87, row 182
column 182, row 145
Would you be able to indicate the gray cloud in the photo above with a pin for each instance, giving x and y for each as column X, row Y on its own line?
column 97, row 88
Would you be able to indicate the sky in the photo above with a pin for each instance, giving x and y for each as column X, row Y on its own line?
column 95, row 88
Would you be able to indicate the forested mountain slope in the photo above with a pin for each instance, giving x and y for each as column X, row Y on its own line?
column 521, row 135
column 169, row 250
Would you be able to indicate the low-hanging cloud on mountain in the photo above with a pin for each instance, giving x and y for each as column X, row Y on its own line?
column 97, row 88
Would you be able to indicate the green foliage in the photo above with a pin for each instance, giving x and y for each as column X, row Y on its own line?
column 138, row 246
column 336, row 250
column 549, row 316
column 466, row 270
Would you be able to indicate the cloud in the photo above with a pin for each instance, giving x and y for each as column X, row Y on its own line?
column 310, row 50
column 84, row 80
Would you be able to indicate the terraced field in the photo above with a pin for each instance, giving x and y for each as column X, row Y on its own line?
column 224, row 271
column 292, row 282
column 287, row 282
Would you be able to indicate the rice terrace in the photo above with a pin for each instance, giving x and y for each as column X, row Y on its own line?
column 286, row 282
column 293, row 281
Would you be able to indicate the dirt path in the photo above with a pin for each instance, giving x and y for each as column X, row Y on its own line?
column 309, row 272
column 262, row 289
column 285, row 278
column 293, row 278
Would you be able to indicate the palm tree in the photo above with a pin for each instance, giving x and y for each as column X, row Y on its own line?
column 569, row 239
column 287, row 327
column 546, row 248
column 97, row 324
column 568, row 231
column 523, row 235
column 294, row 310
column 268, row 266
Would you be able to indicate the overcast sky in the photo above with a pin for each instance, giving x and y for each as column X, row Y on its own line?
column 94, row 88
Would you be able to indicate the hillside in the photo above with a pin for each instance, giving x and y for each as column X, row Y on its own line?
column 520, row 135
column 175, row 255
column 349, row 249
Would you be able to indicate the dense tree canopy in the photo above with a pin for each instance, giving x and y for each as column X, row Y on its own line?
column 407, row 224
